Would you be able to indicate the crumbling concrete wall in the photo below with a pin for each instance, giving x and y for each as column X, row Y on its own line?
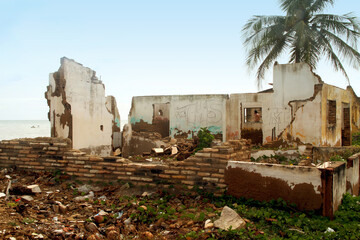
column 294, row 88
column 305, row 126
column 264, row 182
column 79, row 110
column 179, row 115
column 292, row 95
column 336, row 127
column 353, row 174
column 309, row 188
column 300, row 109
column 237, row 127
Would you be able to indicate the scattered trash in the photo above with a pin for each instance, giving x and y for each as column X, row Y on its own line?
column 102, row 198
column 118, row 215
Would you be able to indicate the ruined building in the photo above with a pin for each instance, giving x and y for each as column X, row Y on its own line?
column 299, row 109
column 79, row 110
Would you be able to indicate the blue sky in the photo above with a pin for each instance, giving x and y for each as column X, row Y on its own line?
column 136, row 47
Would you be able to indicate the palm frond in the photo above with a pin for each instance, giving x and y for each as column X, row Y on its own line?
column 307, row 34
column 319, row 5
column 346, row 51
column 345, row 25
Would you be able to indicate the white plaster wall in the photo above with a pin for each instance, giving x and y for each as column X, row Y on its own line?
column 290, row 82
column 290, row 153
column 293, row 82
column 86, row 95
column 292, row 175
column 142, row 109
column 307, row 123
column 79, row 88
column 187, row 112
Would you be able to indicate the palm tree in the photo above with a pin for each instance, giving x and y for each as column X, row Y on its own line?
column 306, row 33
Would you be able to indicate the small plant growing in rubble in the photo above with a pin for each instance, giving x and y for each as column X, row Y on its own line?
column 356, row 139
column 337, row 158
column 205, row 138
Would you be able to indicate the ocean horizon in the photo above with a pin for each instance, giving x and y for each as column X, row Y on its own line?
column 14, row 129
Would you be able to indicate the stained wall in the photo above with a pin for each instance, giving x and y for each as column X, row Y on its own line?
column 79, row 109
column 179, row 115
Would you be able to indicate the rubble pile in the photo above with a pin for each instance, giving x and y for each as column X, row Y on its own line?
column 170, row 149
column 46, row 205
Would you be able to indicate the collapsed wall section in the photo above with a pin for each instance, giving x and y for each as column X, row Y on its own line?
column 79, row 110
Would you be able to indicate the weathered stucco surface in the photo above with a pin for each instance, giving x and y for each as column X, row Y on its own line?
column 236, row 105
column 295, row 110
column 353, row 174
column 179, row 114
column 80, row 111
column 339, row 185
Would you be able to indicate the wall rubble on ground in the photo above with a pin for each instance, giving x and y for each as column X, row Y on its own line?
column 205, row 169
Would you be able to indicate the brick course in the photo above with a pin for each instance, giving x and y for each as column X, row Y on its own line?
column 205, row 169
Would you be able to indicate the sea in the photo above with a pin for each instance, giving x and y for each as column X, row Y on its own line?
column 13, row 129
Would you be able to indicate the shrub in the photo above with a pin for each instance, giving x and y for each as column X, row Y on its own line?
column 205, row 139
column 356, row 138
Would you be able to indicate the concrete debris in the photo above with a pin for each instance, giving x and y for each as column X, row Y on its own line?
column 127, row 221
column 157, row 151
column 125, row 186
column 208, row 224
column 62, row 207
column 84, row 198
column 117, row 152
column 174, row 150
column 85, row 189
column 27, row 198
column 229, row 218
column 34, row 188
